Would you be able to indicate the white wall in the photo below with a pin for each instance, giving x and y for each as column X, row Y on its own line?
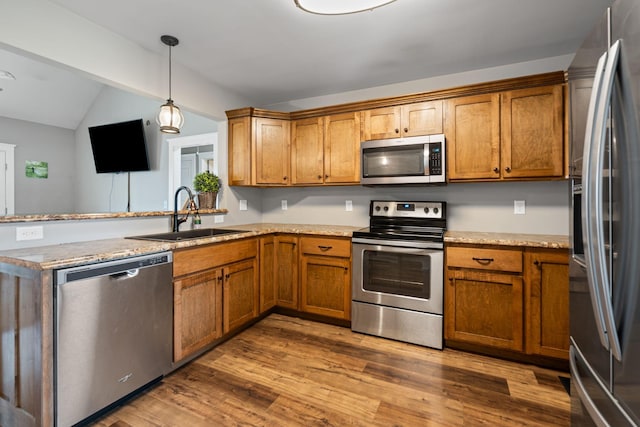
column 50, row 144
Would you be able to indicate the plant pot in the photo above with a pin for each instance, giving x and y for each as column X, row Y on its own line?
column 207, row 200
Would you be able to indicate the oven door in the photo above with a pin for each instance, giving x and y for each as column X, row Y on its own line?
column 398, row 276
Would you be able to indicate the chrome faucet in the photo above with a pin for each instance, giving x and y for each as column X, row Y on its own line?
column 192, row 205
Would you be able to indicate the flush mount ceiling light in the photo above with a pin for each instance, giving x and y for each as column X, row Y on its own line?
column 339, row 7
column 170, row 117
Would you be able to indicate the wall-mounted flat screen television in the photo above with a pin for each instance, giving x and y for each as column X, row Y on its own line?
column 119, row 147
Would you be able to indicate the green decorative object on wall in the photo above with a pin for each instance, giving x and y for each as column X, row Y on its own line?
column 35, row 169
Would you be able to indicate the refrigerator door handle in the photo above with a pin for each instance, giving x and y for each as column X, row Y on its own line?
column 588, row 204
column 600, row 133
column 586, row 400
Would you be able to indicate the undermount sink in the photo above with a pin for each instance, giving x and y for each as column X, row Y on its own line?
column 186, row 234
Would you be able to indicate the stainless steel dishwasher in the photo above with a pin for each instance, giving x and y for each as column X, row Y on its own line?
column 113, row 332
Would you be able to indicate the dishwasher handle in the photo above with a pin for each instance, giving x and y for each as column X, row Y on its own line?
column 120, row 269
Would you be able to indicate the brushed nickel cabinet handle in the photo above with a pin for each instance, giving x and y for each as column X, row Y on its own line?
column 324, row 248
column 483, row 261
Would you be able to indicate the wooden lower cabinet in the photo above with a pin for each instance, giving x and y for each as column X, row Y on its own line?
column 240, row 293
column 508, row 298
column 547, row 302
column 215, row 291
column 286, row 271
column 325, row 277
column 268, row 289
column 485, row 308
column 197, row 305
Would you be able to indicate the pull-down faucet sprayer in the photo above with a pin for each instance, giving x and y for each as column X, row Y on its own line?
column 192, row 206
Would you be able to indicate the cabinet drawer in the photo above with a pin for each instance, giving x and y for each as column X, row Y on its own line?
column 204, row 257
column 485, row 259
column 325, row 246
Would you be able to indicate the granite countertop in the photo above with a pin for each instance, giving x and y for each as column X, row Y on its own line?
column 550, row 241
column 102, row 215
column 72, row 254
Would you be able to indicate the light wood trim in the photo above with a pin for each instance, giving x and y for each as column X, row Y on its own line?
column 485, row 259
column 201, row 258
column 556, row 77
column 325, row 246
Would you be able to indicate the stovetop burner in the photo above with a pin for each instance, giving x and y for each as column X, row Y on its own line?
column 400, row 220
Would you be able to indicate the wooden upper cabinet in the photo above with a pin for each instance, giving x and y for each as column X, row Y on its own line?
column 532, row 143
column 240, row 151
column 472, row 129
column 272, row 151
column 342, row 148
column 307, row 151
column 422, row 118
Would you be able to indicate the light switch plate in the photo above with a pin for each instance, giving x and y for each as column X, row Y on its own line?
column 348, row 205
column 519, row 207
column 243, row 205
column 283, row 203
column 218, row 219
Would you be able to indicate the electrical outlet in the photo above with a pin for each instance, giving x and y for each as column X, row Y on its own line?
column 519, row 207
column 29, row 233
column 243, row 205
column 218, row 219
column 283, row 203
column 348, row 205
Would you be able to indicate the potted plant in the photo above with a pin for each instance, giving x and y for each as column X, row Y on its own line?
column 207, row 186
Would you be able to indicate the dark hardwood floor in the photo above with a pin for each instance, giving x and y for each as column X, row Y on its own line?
column 287, row 371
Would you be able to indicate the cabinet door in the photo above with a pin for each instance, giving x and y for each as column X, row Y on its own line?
column 197, row 317
column 381, row 123
column 532, row 133
column 240, row 294
column 472, row 128
column 484, row 308
column 272, row 151
column 547, row 301
column 342, row 148
column 240, row 151
column 325, row 286
column 422, row 118
column 287, row 271
column 267, row 273
column 307, row 151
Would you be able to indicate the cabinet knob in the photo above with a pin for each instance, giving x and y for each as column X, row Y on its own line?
column 507, row 169
column 406, row 130
column 285, row 178
column 219, row 278
column 319, row 176
column 496, row 170
column 326, row 176
column 226, row 276
column 538, row 264
column 397, row 130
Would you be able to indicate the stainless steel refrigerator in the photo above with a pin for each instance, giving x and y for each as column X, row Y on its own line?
column 604, row 89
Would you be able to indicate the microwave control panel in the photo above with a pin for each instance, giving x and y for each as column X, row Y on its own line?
column 435, row 158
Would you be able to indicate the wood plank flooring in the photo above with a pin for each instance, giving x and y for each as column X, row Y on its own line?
column 285, row 371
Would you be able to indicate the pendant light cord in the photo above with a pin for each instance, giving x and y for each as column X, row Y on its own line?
column 169, row 71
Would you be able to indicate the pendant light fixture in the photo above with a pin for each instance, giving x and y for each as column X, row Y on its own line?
column 170, row 117
column 339, row 7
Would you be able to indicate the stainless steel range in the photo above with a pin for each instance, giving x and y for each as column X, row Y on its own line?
column 398, row 272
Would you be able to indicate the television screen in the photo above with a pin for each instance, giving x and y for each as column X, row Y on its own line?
column 119, row 147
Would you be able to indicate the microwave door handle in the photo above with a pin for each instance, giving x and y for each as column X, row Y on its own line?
column 587, row 205
column 600, row 133
column 425, row 159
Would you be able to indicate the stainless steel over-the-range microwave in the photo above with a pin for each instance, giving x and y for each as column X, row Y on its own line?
column 413, row 160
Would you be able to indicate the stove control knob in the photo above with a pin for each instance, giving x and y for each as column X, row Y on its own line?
column 426, row 210
column 386, row 208
column 377, row 208
column 436, row 210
